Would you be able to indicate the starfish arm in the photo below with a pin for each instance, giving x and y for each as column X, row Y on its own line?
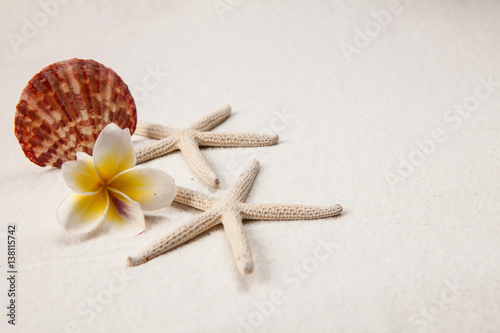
column 153, row 130
column 176, row 237
column 212, row 120
column 235, row 139
column 197, row 162
column 194, row 199
column 159, row 148
column 245, row 181
column 233, row 226
column 287, row 212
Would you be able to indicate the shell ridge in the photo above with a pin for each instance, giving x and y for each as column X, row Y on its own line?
column 65, row 106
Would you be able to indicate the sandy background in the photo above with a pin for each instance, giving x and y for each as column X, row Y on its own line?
column 400, row 128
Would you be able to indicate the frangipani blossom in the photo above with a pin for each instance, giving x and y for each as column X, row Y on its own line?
column 109, row 191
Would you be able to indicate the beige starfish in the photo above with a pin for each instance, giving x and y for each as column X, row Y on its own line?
column 230, row 212
column 189, row 140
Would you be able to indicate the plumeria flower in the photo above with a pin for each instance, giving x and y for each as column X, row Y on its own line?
column 109, row 191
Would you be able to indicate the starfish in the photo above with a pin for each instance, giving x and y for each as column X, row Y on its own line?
column 189, row 140
column 230, row 212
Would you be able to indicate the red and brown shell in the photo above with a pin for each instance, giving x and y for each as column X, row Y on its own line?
column 64, row 108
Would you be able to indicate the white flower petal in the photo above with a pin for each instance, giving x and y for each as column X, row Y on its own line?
column 80, row 214
column 113, row 152
column 124, row 217
column 80, row 175
column 152, row 189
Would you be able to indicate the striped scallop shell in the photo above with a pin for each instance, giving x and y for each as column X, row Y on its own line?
column 64, row 108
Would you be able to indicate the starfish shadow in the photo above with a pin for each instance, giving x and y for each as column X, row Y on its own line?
column 184, row 208
column 261, row 274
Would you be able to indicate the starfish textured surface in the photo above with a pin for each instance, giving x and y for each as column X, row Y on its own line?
column 189, row 140
column 230, row 212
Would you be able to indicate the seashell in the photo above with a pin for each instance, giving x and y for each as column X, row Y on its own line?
column 64, row 108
